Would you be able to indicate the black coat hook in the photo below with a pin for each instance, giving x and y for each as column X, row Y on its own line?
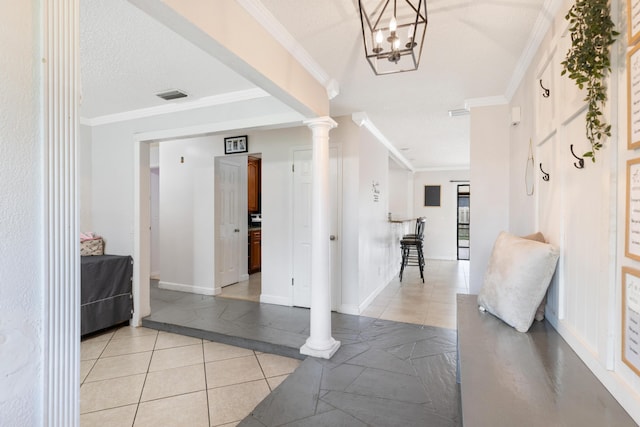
column 545, row 176
column 580, row 163
column 546, row 92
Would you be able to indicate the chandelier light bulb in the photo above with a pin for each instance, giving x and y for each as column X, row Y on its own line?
column 396, row 44
column 393, row 24
column 410, row 33
column 379, row 37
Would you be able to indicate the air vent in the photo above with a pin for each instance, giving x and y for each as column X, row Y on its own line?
column 172, row 94
column 458, row 112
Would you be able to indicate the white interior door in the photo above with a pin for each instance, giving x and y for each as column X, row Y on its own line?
column 228, row 211
column 302, row 180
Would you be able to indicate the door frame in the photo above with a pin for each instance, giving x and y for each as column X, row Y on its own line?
column 336, row 291
column 242, row 224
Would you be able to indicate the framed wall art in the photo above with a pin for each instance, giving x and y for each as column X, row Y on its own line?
column 631, row 318
column 633, row 98
column 432, row 195
column 236, row 144
column 633, row 21
column 632, row 223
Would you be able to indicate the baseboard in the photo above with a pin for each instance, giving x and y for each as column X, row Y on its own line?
column 364, row 304
column 243, row 277
column 155, row 275
column 273, row 299
column 186, row 288
column 349, row 309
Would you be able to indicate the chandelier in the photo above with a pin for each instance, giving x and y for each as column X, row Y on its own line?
column 393, row 33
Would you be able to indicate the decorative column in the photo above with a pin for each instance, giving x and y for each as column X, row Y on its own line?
column 320, row 342
column 61, row 78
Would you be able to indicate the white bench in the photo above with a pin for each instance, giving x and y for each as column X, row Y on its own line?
column 513, row 379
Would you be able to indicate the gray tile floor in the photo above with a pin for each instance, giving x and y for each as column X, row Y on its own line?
column 386, row 373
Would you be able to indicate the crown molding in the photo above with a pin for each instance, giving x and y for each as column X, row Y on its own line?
column 540, row 28
column 487, row 101
column 445, row 168
column 260, row 13
column 208, row 101
column 362, row 120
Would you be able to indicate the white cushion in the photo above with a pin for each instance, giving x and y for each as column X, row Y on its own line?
column 517, row 279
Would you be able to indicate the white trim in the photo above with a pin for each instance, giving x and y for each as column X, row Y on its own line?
column 486, row 101
column 540, row 28
column 208, row 101
column 181, row 287
column 260, row 13
column 444, row 168
column 275, row 299
column 209, row 128
column 59, row 91
column 349, row 309
column 364, row 304
column 361, row 119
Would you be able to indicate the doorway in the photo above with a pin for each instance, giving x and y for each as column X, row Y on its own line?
column 463, row 221
column 249, row 285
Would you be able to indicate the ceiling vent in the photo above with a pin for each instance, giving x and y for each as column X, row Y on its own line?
column 170, row 95
column 458, row 112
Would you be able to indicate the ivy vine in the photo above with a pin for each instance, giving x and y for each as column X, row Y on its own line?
column 588, row 62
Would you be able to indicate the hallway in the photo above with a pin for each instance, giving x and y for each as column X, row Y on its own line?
column 256, row 350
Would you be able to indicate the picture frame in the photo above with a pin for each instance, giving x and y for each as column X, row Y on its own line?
column 432, row 195
column 633, row 98
column 236, row 144
column 632, row 220
column 630, row 323
column 633, row 21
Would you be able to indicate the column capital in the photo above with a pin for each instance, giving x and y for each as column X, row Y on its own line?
column 321, row 122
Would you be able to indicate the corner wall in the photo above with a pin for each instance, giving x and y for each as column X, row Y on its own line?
column 489, row 184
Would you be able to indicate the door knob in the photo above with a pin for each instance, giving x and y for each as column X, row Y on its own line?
column 237, row 230
column 332, row 237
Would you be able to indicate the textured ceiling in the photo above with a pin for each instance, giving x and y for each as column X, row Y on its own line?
column 471, row 50
column 126, row 58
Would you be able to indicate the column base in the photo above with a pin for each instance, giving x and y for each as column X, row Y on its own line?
column 323, row 353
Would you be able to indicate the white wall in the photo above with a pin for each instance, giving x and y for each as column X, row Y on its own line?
column 441, row 228
column 85, row 177
column 186, row 207
column 401, row 193
column 22, row 264
column 378, row 247
column 490, row 185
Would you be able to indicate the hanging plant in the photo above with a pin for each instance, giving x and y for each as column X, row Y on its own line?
column 588, row 63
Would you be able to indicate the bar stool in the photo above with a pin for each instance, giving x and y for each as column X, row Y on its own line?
column 411, row 247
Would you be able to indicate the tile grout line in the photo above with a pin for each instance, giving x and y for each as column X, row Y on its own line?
column 206, row 385
column 146, row 374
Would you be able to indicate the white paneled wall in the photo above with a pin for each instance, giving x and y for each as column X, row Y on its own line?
column 579, row 210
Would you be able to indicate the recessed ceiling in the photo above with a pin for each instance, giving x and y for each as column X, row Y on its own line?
column 471, row 51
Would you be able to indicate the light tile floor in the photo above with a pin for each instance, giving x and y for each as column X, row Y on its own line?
column 431, row 303
column 248, row 290
column 141, row 377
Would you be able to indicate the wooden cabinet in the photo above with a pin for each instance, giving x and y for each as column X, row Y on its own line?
column 255, row 243
column 253, row 182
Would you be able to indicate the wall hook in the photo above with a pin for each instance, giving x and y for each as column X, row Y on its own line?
column 545, row 176
column 580, row 163
column 546, row 92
